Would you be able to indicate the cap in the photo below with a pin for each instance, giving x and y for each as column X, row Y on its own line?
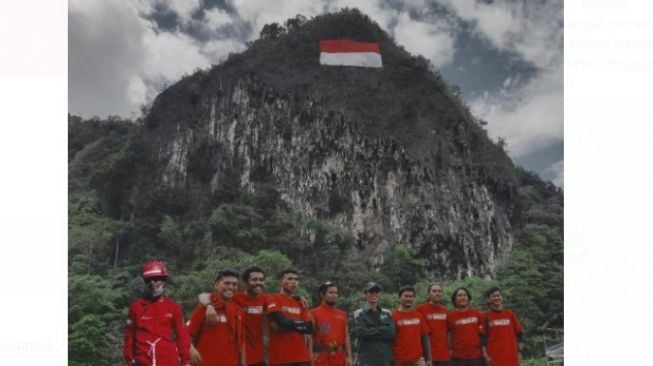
column 154, row 269
column 371, row 286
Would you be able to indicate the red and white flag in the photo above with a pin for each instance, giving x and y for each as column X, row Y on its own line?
column 350, row 53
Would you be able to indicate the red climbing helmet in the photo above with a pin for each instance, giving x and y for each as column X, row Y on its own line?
column 155, row 269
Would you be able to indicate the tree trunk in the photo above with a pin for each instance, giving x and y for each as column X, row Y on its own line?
column 90, row 256
column 115, row 259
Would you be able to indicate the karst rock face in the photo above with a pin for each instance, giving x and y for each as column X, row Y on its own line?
column 385, row 154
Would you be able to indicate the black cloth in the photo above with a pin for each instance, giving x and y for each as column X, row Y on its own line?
column 441, row 363
column 300, row 326
column 426, row 347
column 474, row 362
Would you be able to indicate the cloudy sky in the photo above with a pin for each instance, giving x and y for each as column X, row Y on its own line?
column 506, row 55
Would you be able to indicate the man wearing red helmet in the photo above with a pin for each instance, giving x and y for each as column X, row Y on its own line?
column 152, row 321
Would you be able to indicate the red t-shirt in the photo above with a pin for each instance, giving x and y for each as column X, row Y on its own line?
column 287, row 346
column 501, row 327
column 253, row 324
column 218, row 344
column 465, row 327
column 436, row 319
column 409, row 326
column 330, row 332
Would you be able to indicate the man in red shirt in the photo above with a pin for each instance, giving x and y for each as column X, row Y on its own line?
column 465, row 326
column 503, row 342
column 436, row 318
column 252, row 302
column 153, row 319
column 289, row 322
column 331, row 344
column 221, row 344
column 411, row 344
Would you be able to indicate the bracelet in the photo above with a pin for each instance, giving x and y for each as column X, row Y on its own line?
column 210, row 304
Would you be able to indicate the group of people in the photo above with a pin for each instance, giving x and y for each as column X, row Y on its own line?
column 229, row 328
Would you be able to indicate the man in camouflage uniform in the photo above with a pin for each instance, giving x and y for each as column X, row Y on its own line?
column 374, row 329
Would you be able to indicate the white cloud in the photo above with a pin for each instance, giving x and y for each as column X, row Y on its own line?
column 216, row 18
column 119, row 61
column 171, row 55
column 183, row 8
column 432, row 40
column 259, row 13
column 529, row 117
column 218, row 50
column 105, row 53
column 138, row 92
column 528, row 114
column 529, row 28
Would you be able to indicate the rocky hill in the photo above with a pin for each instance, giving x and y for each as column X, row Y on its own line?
column 389, row 155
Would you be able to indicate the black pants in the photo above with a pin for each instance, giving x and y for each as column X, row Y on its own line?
column 441, row 363
column 474, row 362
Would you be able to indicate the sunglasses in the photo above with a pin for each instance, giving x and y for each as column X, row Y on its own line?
column 155, row 279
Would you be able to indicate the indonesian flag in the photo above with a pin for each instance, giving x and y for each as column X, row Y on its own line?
column 350, row 53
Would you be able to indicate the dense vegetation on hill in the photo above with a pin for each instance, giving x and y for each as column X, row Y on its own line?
column 110, row 236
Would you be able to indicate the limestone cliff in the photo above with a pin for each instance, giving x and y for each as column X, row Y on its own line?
column 389, row 155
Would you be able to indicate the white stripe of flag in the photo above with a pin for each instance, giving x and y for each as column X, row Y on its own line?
column 350, row 53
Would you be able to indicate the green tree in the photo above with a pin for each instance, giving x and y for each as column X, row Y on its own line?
column 272, row 30
column 92, row 237
column 96, row 309
column 88, row 342
column 90, row 294
column 401, row 267
column 236, row 225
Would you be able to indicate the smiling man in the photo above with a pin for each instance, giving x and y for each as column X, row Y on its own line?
column 411, row 344
column 374, row 329
column 252, row 302
column 503, row 340
column 465, row 327
column 223, row 343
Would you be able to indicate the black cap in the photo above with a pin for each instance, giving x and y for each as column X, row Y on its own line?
column 371, row 286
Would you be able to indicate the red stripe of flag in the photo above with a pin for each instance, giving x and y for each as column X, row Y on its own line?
column 337, row 46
